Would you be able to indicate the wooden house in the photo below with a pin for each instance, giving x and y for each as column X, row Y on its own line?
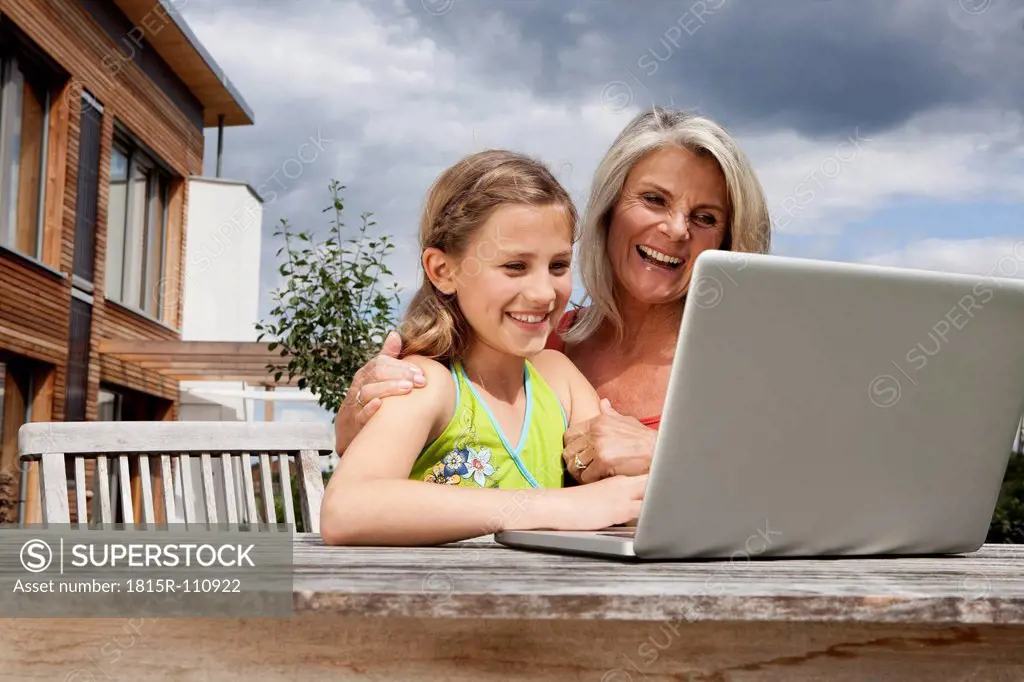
column 103, row 108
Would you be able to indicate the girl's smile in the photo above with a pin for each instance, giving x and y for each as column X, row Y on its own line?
column 532, row 322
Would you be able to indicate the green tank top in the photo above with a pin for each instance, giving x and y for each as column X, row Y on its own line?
column 473, row 452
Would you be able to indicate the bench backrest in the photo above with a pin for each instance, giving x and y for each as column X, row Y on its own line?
column 153, row 464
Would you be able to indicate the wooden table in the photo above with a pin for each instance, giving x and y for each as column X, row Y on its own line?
column 477, row 611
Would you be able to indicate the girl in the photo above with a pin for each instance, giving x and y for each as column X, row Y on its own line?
column 478, row 449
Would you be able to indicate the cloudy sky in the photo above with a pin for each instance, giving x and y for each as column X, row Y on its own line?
column 886, row 131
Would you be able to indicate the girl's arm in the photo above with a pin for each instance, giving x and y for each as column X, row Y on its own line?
column 370, row 500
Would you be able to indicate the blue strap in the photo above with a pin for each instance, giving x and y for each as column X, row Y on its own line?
column 513, row 453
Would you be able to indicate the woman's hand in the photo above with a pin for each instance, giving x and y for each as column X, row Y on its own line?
column 609, row 445
column 609, row 502
column 384, row 375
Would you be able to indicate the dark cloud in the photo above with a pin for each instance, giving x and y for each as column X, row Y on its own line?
column 504, row 73
column 818, row 66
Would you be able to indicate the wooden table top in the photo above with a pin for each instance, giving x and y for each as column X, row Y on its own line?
column 481, row 579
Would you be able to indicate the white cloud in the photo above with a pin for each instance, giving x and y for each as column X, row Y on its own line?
column 817, row 187
column 401, row 107
column 988, row 256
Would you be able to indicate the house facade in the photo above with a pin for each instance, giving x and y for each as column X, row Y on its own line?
column 103, row 108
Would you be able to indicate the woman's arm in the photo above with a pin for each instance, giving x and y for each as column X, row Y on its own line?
column 610, row 444
column 606, row 442
column 382, row 376
column 370, row 500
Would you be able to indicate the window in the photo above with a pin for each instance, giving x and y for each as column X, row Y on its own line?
column 109, row 405
column 136, row 228
column 24, row 118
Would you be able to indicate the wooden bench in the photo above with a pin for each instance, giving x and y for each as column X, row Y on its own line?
column 476, row 611
column 149, row 469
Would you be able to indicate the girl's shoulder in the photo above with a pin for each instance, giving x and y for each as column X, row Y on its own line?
column 551, row 361
column 440, row 389
column 557, row 370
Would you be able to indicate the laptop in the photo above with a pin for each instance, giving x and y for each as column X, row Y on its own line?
column 820, row 408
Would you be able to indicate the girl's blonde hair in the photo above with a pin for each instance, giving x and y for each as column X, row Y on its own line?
column 749, row 227
column 457, row 205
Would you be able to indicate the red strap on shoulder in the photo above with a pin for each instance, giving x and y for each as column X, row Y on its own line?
column 554, row 340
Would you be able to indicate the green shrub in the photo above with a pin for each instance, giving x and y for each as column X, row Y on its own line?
column 334, row 310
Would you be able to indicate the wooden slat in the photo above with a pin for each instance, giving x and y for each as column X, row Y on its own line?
column 267, row 488
column 173, row 279
column 230, row 500
column 45, row 380
column 123, row 323
column 124, row 485
column 284, row 473
column 53, row 480
column 36, row 346
column 142, row 349
column 146, row 481
column 167, row 486
column 455, row 580
column 134, row 377
column 103, row 486
column 158, row 486
column 56, row 173
column 209, row 496
column 249, row 491
column 187, row 491
column 222, row 375
column 16, row 385
column 155, row 437
column 311, row 489
column 516, row 650
column 81, row 499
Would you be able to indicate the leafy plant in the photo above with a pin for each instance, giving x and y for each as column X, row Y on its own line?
column 334, row 309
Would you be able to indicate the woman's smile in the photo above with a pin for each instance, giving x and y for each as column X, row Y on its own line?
column 658, row 258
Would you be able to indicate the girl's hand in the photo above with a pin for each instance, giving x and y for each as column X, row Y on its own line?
column 384, row 375
column 609, row 502
column 609, row 445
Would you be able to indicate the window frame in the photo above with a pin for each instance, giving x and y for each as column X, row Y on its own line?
column 116, row 403
column 35, row 77
column 157, row 190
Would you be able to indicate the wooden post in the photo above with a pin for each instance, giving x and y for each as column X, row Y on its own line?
column 14, row 403
column 42, row 411
column 56, row 172
column 268, row 406
column 16, row 389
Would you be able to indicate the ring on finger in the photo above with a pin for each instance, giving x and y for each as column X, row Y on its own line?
column 580, row 466
column 359, row 398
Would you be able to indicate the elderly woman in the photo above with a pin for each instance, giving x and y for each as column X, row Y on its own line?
column 671, row 186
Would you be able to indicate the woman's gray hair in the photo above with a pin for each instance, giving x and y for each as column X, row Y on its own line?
column 748, row 230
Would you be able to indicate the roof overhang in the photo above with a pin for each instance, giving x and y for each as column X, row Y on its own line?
column 186, row 56
column 201, row 360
